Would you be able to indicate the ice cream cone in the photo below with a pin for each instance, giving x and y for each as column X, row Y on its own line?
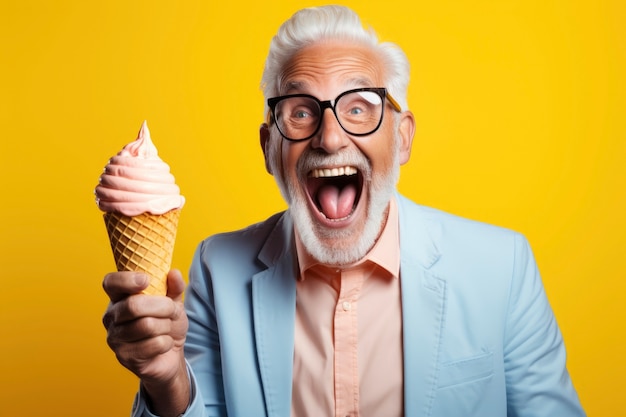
column 144, row 243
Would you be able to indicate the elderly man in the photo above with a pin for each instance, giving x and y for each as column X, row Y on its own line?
column 355, row 301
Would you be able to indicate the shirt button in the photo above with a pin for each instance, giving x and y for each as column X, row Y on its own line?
column 346, row 306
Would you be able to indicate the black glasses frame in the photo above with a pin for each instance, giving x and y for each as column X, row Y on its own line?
column 328, row 104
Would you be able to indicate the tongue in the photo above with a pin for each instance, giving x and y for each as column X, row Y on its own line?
column 336, row 203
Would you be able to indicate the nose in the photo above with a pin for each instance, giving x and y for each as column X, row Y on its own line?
column 331, row 137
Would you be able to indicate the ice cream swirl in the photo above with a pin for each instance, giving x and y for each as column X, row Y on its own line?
column 137, row 181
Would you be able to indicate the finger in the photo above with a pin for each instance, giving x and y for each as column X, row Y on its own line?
column 175, row 285
column 107, row 317
column 134, row 354
column 140, row 305
column 140, row 329
column 119, row 285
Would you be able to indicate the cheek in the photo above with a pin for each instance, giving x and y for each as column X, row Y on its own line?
column 380, row 154
column 384, row 150
column 291, row 153
column 382, row 157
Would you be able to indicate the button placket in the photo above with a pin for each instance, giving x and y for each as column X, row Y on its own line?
column 346, row 346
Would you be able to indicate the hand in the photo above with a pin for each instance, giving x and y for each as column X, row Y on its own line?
column 147, row 334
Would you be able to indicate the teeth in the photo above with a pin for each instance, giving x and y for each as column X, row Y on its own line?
column 333, row 172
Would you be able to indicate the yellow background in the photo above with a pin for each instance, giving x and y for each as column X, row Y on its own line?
column 520, row 109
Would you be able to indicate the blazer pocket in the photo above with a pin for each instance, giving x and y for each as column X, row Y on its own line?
column 466, row 370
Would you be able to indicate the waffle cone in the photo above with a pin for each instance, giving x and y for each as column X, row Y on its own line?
column 144, row 243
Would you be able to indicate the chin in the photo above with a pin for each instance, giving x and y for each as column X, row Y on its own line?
column 337, row 247
column 344, row 241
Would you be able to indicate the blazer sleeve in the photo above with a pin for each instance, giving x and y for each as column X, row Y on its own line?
column 195, row 408
column 202, row 347
column 202, row 350
column 537, row 381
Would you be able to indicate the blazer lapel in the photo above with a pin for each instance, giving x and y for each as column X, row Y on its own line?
column 423, row 307
column 274, row 300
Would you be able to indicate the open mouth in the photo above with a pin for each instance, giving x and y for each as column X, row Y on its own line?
column 335, row 191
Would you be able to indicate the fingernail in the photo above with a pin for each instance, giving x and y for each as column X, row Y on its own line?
column 140, row 280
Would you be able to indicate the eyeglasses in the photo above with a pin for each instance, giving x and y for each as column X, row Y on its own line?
column 359, row 112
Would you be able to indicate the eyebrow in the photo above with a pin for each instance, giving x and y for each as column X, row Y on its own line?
column 297, row 86
column 293, row 86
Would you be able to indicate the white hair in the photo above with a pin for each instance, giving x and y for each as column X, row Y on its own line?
column 312, row 25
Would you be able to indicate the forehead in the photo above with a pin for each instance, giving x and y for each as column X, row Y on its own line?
column 332, row 65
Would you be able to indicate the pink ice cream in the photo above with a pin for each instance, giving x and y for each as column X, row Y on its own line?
column 137, row 181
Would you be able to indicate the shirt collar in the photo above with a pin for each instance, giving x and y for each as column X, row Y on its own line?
column 385, row 253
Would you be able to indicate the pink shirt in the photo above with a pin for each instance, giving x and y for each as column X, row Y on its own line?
column 348, row 334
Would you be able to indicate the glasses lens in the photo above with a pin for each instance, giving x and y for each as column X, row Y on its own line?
column 297, row 117
column 359, row 112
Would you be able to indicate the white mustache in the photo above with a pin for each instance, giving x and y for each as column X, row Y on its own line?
column 312, row 159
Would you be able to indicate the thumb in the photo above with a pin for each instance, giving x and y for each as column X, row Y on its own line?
column 175, row 285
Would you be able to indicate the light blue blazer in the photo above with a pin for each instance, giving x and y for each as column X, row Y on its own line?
column 480, row 338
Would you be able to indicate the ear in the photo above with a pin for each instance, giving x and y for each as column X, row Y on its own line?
column 406, row 131
column 264, row 135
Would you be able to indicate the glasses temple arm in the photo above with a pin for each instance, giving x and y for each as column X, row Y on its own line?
column 394, row 103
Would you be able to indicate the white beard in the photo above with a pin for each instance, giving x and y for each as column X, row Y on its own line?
column 344, row 249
